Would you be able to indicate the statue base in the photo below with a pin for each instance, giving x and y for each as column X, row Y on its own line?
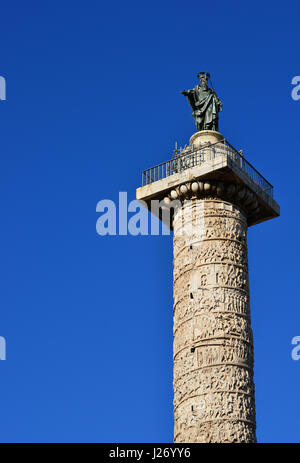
column 204, row 137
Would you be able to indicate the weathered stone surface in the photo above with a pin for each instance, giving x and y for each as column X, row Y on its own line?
column 213, row 347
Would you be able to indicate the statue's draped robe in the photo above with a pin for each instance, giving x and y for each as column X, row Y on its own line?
column 205, row 108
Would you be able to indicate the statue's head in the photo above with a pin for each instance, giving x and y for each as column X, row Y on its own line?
column 203, row 77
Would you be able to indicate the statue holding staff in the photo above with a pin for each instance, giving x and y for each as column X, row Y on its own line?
column 204, row 103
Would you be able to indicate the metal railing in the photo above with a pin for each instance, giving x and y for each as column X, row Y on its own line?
column 191, row 157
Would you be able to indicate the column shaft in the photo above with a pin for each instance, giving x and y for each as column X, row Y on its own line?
column 213, row 346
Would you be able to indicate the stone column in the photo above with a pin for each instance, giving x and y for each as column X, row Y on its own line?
column 213, row 346
column 213, row 194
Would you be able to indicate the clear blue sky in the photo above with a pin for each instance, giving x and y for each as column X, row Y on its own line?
column 93, row 97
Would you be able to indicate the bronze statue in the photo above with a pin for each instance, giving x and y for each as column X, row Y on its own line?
column 204, row 103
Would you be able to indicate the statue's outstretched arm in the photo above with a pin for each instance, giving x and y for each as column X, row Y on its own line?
column 190, row 95
column 187, row 92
